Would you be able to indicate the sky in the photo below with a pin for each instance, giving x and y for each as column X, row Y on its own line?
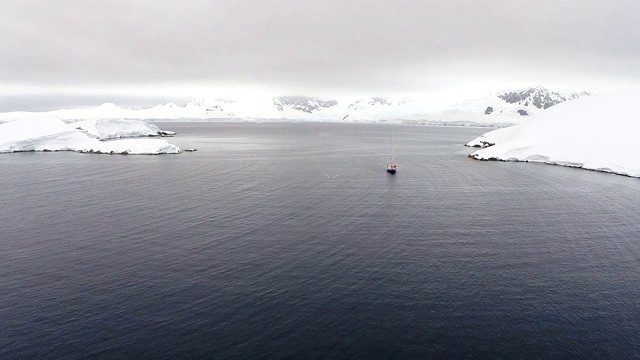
column 72, row 53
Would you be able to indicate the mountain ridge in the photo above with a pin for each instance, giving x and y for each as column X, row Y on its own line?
column 496, row 108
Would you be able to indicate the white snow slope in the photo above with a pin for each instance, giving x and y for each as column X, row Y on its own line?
column 599, row 132
column 49, row 133
column 105, row 129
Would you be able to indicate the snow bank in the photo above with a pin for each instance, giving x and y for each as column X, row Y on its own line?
column 49, row 133
column 600, row 132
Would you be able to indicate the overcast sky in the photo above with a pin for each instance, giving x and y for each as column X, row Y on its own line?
column 136, row 52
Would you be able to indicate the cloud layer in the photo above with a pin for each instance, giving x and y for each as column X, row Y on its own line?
column 319, row 47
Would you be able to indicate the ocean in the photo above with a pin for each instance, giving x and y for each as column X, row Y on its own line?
column 246, row 249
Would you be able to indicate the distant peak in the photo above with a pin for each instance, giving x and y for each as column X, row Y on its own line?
column 539, row 96
column 108, row 106
column 198, row 102
column 169, row 105
column 302, row 103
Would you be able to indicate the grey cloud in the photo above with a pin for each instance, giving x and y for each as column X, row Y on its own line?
column 311, row 46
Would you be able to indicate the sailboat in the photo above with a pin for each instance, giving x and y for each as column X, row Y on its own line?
column 391, row 166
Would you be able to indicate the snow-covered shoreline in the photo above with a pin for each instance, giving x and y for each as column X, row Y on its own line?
column 600, row 132
column 49, row 133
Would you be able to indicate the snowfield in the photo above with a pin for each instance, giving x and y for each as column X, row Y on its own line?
column 49, row 133
column 599, row 132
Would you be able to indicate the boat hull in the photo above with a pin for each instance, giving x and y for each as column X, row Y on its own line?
column 391, row 171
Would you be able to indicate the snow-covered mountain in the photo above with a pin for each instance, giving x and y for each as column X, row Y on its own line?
column 493, row 110
column 302, row 103
column 372, row 109
column 539, row 97
column 522, row 102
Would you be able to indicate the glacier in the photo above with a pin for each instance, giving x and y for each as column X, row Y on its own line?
column 598, row 132
column 50, row 133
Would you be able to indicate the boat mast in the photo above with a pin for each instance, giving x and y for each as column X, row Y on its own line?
column 393, row 149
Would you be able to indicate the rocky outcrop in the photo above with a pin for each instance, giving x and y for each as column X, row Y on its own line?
column 302, row 103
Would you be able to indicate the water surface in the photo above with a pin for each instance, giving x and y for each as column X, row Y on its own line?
column 245, row 249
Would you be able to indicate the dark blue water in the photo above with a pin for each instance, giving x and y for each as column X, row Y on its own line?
column 245, row 249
